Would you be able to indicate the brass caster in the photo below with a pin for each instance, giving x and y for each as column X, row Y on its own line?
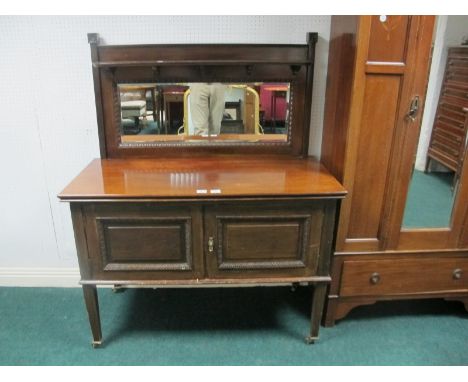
column 96, row 344
column 310, row 340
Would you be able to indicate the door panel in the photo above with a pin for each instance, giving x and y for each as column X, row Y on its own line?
column 150, row 243
column 388, row 38
column 373, row 154
column 263, row 240
column 144, row 240
column 390, row 69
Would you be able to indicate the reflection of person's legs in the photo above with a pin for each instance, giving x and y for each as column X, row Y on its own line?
column 199, row 107
column 217, row 104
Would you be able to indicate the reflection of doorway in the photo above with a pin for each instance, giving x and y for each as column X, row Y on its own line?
column 173, row 97
column 442, row 140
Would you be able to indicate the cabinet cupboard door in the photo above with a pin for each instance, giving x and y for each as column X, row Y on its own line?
column 264, row 240
column 143, row 241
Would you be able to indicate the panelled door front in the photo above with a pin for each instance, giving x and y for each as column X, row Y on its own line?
column 390, row 71
column 263, row 240
column 144, row 241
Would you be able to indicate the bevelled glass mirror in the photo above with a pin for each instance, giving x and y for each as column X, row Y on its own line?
column 204, row 111
column 443, row 138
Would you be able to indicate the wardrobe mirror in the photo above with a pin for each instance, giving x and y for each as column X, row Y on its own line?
column 443, row 137
column 202, row 111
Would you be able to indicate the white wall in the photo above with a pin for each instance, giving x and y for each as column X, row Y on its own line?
column 450, row 31
column 48, row 119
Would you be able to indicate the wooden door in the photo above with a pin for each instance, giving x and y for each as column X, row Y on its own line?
column 447, row 236
column 140, row 241
column 389, row 66
column 267, row 240
column 249, row 113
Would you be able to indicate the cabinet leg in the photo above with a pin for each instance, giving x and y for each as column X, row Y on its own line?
column 92, row 306
column 318, row 302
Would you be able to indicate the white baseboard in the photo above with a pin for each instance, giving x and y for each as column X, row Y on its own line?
column 40, row 277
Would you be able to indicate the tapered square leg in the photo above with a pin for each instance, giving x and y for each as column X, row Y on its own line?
column 92, row 306
column 318, row 302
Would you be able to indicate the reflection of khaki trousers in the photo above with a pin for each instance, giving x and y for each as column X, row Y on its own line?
column 207, row 107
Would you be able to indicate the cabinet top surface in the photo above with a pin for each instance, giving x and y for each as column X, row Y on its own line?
column 208, row 177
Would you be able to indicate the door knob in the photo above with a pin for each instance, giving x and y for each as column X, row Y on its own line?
column 375, row 278
column 457, row 274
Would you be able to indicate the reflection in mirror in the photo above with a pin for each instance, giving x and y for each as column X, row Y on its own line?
column 443, row 138
column 253, row 112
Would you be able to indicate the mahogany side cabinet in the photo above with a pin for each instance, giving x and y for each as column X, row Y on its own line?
column 205, row 211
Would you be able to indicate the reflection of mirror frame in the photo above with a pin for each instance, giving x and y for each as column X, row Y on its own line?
column 237, row 63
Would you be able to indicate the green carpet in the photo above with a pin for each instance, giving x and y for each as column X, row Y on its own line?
column 430, row 200
column 251, row 326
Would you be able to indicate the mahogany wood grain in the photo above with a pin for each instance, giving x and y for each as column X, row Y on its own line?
column 232, row 176
column 318, row 300
column 425, row 269
column 395, row 256
column 463, row 243
column 124, row 244
column 370, row 134
column 93, row 40
column 141, row 246
column 184, row 54
column 348, row 123
column 92, row 306
column 385, row 68
column 388, row 39
column 424, row 238
column 259, row 239
column 383, row 277
column 339, row 87
column 373, row 154
column 338, row 309
column 370, row 145
column 201, row 215
column 407, row 133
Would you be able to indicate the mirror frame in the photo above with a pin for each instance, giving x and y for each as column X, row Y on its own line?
column 121, row 64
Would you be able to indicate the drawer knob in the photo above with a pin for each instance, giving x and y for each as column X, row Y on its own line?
column 375, row 278
column 457, row 274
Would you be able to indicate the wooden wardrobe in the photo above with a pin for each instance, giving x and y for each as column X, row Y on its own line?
column 377, row 76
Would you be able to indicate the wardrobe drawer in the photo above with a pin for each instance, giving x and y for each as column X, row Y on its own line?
column 404, row 276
